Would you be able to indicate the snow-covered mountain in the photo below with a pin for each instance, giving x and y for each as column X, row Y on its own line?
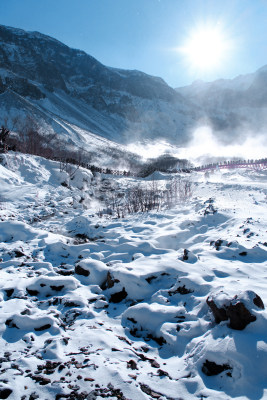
column 71, row 91
column 157, row 305
column 233, row 107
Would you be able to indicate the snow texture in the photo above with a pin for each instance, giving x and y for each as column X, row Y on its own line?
column 94, row 307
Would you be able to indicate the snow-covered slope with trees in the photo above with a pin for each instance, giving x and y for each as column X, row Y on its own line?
column 62, row 86
column 166, row 304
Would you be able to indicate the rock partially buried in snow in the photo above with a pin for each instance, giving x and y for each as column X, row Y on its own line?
column 210, row 368
column 94, row 271
column 5, row 392
column 236, row 309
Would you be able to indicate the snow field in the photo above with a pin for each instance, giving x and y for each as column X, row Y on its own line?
column 96, row 307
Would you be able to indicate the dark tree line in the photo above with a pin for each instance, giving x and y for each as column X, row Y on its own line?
column 28, row 138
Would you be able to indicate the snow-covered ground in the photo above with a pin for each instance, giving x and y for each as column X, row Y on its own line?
column 95, row 307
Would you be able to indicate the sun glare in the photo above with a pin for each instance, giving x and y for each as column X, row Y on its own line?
column 205, row 48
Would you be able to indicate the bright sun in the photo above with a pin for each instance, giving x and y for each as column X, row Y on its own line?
column 205, row 48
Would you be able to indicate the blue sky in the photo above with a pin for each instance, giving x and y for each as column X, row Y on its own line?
column 147, row 34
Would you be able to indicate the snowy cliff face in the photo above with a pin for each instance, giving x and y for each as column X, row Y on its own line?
column 232, row 105
column 118, row 104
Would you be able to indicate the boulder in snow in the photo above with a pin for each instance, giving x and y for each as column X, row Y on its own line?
column 237, row 309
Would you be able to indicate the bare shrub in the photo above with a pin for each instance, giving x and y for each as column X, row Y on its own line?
column 144, row 198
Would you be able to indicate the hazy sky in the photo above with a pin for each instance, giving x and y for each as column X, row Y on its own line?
column 150, row 35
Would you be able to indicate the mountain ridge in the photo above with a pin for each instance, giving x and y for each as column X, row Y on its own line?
column 136, row 105
column 123, row 106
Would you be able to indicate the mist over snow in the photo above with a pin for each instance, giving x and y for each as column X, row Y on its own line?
column 206, row 145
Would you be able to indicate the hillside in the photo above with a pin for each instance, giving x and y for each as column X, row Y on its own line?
column 70, row 91
column 234, row 108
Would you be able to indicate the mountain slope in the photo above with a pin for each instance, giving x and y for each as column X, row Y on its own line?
column 118, row 104
column 233, row 106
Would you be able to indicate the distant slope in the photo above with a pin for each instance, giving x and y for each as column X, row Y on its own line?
column 232, row 106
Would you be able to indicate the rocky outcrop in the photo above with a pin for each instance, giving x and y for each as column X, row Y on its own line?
column 237, row 309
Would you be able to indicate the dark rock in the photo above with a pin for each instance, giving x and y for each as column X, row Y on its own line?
column 9, row 292
column 159, row 340
column 132, row 364
column 9, row 322
column 42, row 328
column 154, row 364
column 150, row 279
column 210, row 368
column 118, row 297
column 243, row 253
column 147, row 390
column 65, row 272
column 34, row 396
column 26, row 312
column 41, row 380
column 18, row 253
column 218, row 244
column 5, row 393
column 161, row 372
column 57, row 288
column 181, row 289
column 185, row 255
column 239, row 316
column 32, row 292
column 235, row 310
column 81, row 271
column 218, row 313
column 109, row 282
column 258, row 302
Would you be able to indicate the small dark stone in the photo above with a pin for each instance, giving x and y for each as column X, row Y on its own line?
column 185, row 255
column 146, row 389
column 118, row 297
column 65, row 272
column 41, row 380
column 71, row 304
column 210, row 368
column 32, row 292
column 57, row 288
column 9, row 292
column 5, row 393
column 34, row 396
column 26, row 312
column 154, row 364
column 81, row 271
column 150, row 279
column 131, row 364
column 218, row 244
column 258, row 302
column 18, row 253
column 159, row 340
column 181, row 289
column 109, row 282
column 243, row 253
column 218, row 313
column 9, row 322
column 239, row 316
column 43, row 328
column 162, row 373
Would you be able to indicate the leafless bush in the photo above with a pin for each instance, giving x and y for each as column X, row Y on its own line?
column 144, row 198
